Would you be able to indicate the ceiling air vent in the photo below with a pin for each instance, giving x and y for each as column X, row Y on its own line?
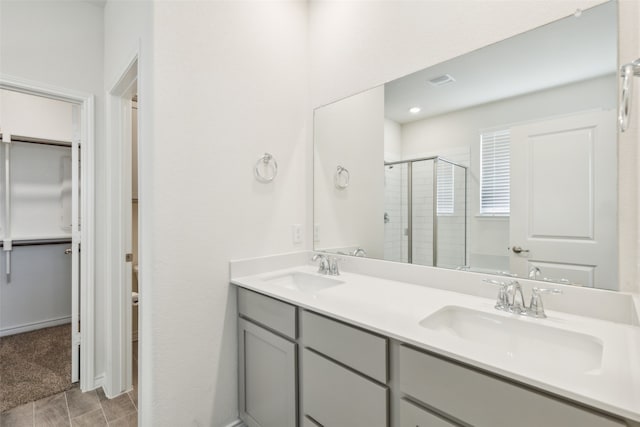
column 441, row 80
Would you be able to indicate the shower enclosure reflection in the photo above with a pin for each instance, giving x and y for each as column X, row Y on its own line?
column 425, row 212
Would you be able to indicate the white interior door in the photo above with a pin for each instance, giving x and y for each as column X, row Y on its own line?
column 564, row 199
column 127, row 120
column 75, row 244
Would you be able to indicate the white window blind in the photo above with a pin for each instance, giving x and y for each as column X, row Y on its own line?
column 494, row 173
column 445, row 193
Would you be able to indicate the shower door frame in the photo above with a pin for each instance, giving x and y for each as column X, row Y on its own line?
column 435, row 159
column 83, row 285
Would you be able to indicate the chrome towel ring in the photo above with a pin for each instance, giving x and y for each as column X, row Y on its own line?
column 341, row 178
column 266, row 168
column 627, row 71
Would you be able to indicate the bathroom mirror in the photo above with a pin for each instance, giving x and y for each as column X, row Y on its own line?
column 503, row 160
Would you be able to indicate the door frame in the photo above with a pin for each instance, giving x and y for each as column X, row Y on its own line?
column 118, row 373
column 86, row 235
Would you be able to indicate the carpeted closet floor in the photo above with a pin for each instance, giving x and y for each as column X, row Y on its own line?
column 34, row 365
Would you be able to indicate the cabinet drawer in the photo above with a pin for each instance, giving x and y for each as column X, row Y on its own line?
column 337, row 397
column 360, row 350
column 274, row 314
column 412, row 415
column 483, row 400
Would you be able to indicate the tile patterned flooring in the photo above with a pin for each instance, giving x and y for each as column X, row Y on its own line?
column 76, row 409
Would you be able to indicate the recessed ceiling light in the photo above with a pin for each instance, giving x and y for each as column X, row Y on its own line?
column 414, row 110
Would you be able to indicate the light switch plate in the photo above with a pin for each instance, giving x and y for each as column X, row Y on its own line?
column 296, row 230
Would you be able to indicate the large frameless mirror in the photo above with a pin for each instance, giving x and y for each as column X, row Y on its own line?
column 503, row 160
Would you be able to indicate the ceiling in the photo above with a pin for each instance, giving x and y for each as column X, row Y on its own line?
column 575, row 48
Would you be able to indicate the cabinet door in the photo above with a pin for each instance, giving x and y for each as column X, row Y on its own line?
column 267, row 365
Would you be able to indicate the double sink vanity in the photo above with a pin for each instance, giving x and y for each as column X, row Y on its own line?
column 386, row 345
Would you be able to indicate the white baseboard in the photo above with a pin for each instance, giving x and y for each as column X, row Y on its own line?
column 98, row 381
column 28, row 327
column 236, row 423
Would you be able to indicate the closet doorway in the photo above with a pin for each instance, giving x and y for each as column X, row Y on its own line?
column 46, row 217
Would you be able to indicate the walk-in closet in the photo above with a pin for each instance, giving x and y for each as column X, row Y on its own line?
column 38, row 304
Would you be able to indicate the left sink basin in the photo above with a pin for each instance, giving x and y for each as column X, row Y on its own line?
column 303, row 282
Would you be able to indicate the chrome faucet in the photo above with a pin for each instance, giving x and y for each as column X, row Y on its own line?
column 514, row 290
column 327, row 265
column 359, row 252
column 511, row 299
column 323, row 266
column 534, row 273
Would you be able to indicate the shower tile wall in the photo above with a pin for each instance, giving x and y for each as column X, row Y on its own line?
column 422, row 190
column 395, row 208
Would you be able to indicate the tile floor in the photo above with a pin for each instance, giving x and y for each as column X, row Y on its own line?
column 76, row 409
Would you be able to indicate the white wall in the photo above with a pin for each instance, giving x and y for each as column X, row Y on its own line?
column 628, row 160
column 36, row 170
column 395, row 195
column 60, row 43
column 350, row 133
column 230, row 84
column 33, row 116
column 392, row 140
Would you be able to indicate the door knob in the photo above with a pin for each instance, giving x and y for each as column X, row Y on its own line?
column 518, row 250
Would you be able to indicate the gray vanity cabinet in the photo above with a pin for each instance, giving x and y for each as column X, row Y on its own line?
column 352, row 377
column 482, row 400
column 267, row 361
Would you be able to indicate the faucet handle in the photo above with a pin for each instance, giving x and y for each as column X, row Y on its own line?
column 334, row 270
column 536, row 309
column 503, row 299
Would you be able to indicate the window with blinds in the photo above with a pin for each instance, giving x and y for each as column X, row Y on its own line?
column 494, row 173
column 445, row 195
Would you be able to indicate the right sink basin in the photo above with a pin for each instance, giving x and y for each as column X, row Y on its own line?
column 519, row 340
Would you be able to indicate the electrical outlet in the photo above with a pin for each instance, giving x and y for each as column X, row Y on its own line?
column 296, row 230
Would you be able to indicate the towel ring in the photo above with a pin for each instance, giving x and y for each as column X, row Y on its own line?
column 627, row 72
column 341, row 178
column 265, row 161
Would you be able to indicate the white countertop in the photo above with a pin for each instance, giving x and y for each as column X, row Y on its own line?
column 395, row 309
